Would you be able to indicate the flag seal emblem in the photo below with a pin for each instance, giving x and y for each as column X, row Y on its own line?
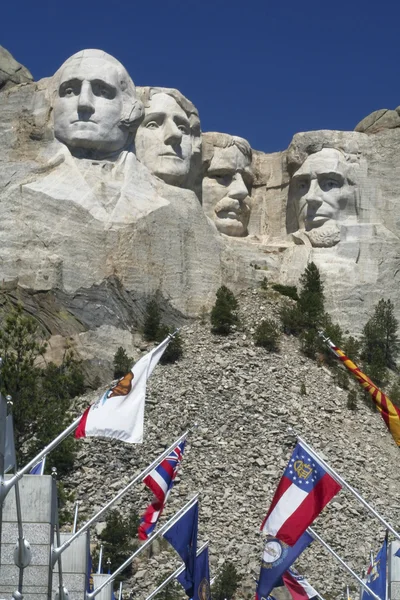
column 302, row 469
column 274, row 553
column 204, row 589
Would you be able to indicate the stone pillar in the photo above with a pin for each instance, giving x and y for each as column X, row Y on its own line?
column 107, row 592
column 39, row 508
column 394, row 571
column 75, row 566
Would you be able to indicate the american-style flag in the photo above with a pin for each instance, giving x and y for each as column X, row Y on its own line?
column 160, row 482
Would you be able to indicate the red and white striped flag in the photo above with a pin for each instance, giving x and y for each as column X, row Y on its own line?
column 298, row 586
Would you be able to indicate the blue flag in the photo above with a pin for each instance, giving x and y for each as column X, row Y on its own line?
column 38, row 469
column 376, row 579
column 277, row 558
column 201, row 577
column 89, row 574
column 183, row 537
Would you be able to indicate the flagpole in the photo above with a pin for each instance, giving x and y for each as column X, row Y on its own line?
column 57, row 551
column 315, row 535
column 175, row 574
column 3, row 417
column 149, row 541
column 7, row 485
column 344, row 483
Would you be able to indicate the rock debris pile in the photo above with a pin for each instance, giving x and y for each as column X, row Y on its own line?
column 243, row 400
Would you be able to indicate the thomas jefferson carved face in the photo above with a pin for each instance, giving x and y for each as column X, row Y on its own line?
column 226, row 188
column 164, row 140
column 321, row 189
column 89, row 103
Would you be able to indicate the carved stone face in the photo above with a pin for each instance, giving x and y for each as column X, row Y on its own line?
column 226, row 188
column 164, row 140
column 88, row 106
column 321, row 190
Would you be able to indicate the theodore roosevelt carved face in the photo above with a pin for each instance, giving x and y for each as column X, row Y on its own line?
column 168, row 138
column 227, row 182
column 95, row 105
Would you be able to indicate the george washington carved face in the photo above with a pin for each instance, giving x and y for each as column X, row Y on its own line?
column 95, row 104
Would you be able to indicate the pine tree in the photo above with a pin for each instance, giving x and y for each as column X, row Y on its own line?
column 122, row 363
column 118, row 538
column 152, row 321
column 224, row 311
column 311, row 297
column 21, row 343
column 41, row 397
column 226, row 582
column 267, row 335
column 380, row 342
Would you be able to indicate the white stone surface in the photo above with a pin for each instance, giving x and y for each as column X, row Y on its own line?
column 227, row 182
column 95, row 105
column 168, row 139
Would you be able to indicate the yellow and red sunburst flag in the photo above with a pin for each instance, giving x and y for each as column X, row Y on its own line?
column 389, row 412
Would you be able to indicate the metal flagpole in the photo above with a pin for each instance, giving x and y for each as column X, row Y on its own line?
column 175, row 574
column 344, row 483
column 146, row 471
column 120, row 591
column 315, row 535
column 3, row 419
column 75, row 516
column 11, row 482
column 148, row 542
column 100, row 559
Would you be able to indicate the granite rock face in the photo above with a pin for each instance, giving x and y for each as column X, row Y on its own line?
column 11, row 71
column 88, row 233
column 102, row 206
column 378, row 120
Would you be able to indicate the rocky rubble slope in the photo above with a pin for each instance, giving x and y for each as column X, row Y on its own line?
column 244, row 399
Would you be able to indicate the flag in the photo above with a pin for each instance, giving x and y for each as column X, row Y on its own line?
column 182, row 536
column 302, row 493
column 119, row 413
column 10, row 460
column 376, row 579
column 38, row 469
column 89, row 574
column 277, row 558
column 160, row 481
column 202, row 577
column 389, row 412
column 298, row 586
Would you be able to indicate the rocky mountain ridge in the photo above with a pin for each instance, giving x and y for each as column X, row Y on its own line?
column 244, row 399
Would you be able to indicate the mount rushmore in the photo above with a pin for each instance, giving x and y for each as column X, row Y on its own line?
column 110, row 194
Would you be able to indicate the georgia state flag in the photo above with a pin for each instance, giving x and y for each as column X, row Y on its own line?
column 302, row 493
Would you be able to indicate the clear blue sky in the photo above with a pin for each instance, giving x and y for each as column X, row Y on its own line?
column 259, row 69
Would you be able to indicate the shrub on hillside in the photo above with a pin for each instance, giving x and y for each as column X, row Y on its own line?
column 174, row 350
column 286, row 290
column 224, row 312
column 352, row 400
column 267, row 335
column 226, row 582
